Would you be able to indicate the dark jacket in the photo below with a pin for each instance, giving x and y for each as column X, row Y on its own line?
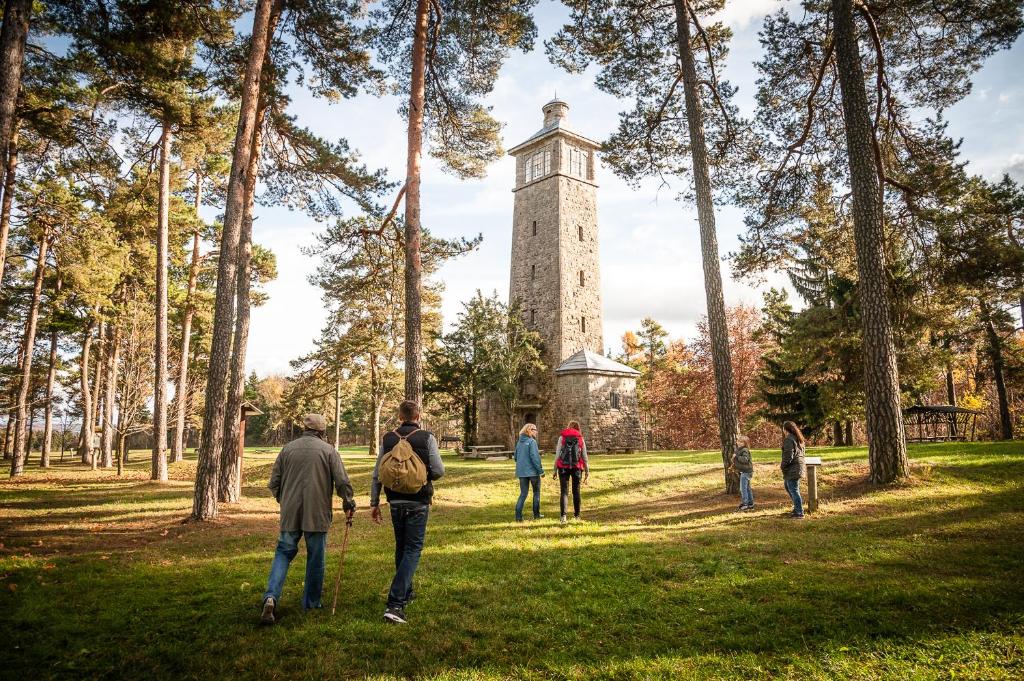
column 425, row 445
column 742, row 460
column 305, row 474
column 792, row 458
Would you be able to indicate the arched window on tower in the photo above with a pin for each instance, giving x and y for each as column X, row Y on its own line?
column 583, row 324
column 533, row 271
column 615, row 400
column 535, row 228
column 581, row 232
column 533, row 317
column 583, row 281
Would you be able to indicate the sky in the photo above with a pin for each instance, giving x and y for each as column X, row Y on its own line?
column 650, row 249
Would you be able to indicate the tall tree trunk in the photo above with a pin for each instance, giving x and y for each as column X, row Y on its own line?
column 230, row 471
column 158, row 469
column 337, row 412
column 413, row 263
column 8, row 199
column 113, row 355
column 85, row 436
column 97, row 393
column 13, row 37
column 995, row 354
column 21, row 437
column 181, row 390
column 204, row 504
column 887, row 446
column 725, row 391
column 51, row 375
column 849, row 434
column 837, row 434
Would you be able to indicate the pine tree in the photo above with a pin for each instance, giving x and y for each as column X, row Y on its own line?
column 444, row 56
column 647, row 52
column 837, row 91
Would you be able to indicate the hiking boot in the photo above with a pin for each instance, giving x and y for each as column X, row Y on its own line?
column 395, row 615
column 269, row 605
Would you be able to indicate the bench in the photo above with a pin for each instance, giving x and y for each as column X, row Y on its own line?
column 485, row 451
column 450, row 440
column 812, row 463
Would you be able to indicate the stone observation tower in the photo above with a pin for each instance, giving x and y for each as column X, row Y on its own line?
column 556, row 280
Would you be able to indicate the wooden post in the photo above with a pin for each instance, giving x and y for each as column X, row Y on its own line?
column 812, row 463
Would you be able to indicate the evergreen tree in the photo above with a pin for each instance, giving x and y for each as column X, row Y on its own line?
column 837, row 91
column 444, row 56
column 647, row 52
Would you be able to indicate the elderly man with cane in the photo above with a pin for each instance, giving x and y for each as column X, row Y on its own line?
column 304, row 475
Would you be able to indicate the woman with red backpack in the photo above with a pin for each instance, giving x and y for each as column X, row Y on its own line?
column 572, row 464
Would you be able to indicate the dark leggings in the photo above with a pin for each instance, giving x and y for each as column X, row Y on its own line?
column 564, row 476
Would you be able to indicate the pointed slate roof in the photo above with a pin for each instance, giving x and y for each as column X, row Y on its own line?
column 591, row 362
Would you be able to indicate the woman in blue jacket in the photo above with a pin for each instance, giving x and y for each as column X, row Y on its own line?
column 529, row 470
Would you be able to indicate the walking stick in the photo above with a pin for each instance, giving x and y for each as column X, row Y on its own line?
column 341, row 564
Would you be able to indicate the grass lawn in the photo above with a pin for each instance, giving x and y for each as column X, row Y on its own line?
column 101, row 578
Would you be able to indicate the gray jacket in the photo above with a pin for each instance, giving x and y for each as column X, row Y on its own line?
column 305, row 474
column 792, row 458
column 743, row 461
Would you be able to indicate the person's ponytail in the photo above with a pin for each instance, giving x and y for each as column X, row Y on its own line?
column 793, row 430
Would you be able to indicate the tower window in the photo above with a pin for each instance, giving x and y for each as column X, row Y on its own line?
column 533, row 317
column 582, row 280
column 533, row 271
column 538, row 165
column 578, row 162
column 583, row 324
column 581, row 232
column 614, row 399
column 535, row 228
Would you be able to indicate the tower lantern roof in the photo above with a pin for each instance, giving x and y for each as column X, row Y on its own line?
column 556, row 121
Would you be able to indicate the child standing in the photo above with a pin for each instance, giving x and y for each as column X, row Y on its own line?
column 744, row 464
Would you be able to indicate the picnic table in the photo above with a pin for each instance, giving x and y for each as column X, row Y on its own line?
column 486, row 452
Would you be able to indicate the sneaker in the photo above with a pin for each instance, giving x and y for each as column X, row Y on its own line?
column 577, row 519
column 564, row 520
column 395, row 616
column 750, row 507
column 538, row 516
column 794, row 516
column 519, row 520
column 267, row 617
column 742, row 507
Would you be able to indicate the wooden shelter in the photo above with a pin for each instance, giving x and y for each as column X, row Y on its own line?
column 939, row 423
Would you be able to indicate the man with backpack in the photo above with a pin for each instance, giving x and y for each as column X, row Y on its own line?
column 305, row 474
column 408, row 463
column 571, row 463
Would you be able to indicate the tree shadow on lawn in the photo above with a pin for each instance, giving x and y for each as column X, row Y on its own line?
column 482, row 607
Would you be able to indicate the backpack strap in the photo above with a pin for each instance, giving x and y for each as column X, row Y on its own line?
column 407, row 435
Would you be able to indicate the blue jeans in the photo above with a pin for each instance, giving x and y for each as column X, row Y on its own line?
column 524, row 489
column 746, row 494
column 410, row 524
column 793, row 487
column 316, row 556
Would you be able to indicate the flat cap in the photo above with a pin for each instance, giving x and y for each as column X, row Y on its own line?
column 314, row 422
